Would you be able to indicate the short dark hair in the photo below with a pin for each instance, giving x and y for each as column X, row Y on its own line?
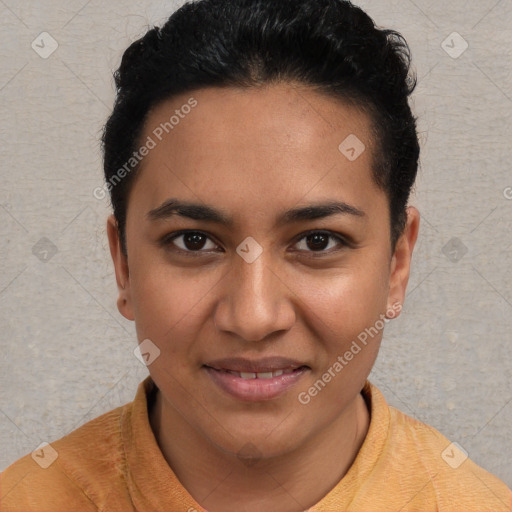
column 330, row 45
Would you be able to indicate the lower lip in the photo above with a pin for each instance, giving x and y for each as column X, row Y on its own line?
column 255, row 390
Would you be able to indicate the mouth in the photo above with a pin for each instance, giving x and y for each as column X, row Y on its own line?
column 260, row 375
column 258, row 366
column 255, row 380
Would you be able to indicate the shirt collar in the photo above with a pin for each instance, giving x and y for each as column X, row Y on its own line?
column 340, row 497
column 152, row 484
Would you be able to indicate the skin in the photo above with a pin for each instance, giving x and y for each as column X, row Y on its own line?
column 255, row 153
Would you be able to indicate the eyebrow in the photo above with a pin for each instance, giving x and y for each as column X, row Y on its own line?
column 203, row 212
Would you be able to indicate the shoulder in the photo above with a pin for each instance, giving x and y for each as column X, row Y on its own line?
column 81, row 471
column 455, row 480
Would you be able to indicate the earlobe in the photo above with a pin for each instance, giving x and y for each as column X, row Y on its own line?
column 124, row 301
column 401, row 261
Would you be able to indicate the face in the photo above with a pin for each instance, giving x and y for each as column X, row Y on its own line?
column 279, row 268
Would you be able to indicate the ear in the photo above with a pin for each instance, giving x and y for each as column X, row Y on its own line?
column 401, row 261
column 124, row 301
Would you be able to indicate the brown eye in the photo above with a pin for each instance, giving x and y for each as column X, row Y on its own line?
column 190, row 241
column 318, row 241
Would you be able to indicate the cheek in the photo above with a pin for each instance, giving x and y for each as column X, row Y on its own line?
column 345, row 302
column 169, row 303
column 347, row 317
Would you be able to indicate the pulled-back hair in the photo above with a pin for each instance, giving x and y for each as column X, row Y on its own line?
column 330, row 45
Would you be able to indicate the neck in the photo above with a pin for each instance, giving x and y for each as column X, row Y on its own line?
column 293, row 482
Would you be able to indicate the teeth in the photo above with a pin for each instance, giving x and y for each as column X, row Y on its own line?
column 260, row 375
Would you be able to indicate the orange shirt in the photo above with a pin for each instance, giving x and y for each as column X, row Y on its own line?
column 113, row 464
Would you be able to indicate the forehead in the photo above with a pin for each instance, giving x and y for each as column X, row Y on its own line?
column 257, row 147
column 277, row 116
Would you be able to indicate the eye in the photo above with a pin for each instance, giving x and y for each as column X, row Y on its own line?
column 189, row 241
column 318, row 241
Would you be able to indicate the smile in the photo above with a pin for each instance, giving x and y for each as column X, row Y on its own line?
column 255, row 386
column 260, row 375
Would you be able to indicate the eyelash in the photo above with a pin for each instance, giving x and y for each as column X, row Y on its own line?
column 169, row 238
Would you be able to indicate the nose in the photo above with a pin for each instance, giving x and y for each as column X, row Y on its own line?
column 256, row 301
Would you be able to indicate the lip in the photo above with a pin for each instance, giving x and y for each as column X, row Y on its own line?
column 255, row 389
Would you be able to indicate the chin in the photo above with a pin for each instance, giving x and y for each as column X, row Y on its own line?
column 252, row 444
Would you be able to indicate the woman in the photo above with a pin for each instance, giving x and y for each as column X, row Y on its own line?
column 259, row 159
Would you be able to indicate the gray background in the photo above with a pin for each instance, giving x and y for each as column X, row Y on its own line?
column 67, row 354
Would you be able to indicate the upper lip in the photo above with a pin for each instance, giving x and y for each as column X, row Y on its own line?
column 267, row 364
